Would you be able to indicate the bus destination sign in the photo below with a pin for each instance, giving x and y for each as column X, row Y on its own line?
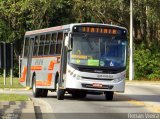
column 103, row 30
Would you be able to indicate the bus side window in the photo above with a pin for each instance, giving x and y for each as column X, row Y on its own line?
column 26, row 47
column 53, row 43
column 36, row 43
column 47, row 44
column 41, row 45
column 59, row 43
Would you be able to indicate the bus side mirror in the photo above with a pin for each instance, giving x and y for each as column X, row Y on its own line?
column 68, row 43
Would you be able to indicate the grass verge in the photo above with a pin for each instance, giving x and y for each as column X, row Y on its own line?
column 16, row 83
column 13, row 97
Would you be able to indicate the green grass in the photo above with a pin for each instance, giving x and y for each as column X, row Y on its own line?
column 13, row 97
column 16, row 83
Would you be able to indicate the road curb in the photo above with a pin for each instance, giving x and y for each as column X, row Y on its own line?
column 44, row 106
column 43, row 109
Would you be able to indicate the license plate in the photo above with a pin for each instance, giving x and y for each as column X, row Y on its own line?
column 97, row 85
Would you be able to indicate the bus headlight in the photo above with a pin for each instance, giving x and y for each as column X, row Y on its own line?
column 123, row 76
column 117, row 80
column 79, row 77
column 76, row 76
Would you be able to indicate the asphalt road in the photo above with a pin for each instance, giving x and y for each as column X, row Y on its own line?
column 139, row 98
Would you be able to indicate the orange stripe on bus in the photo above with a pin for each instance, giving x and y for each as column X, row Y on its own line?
column 23, row 77
column 46, row 82
column 51, row 65
column 49, row 78
column 36, row 67
column 40, row 83
column 46, row 56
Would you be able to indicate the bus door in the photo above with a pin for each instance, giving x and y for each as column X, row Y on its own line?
column 29, row 61
column 26, row 61
column 63, row 65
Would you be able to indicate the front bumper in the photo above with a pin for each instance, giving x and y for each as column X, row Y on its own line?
column 72, row 83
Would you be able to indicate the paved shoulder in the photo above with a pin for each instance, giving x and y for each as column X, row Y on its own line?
column 148, row 83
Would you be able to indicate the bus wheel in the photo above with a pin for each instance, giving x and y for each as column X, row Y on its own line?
column 36, row 91
column 60, row 93
column 109, row 95
column 44, row 92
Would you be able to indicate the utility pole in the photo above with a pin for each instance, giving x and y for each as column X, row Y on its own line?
column 131, row 63
column 11, row 69
column 4, row 70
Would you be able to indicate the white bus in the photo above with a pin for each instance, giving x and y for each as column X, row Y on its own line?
column 78, row 58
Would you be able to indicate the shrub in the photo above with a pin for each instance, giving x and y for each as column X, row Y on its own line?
column 147, row 63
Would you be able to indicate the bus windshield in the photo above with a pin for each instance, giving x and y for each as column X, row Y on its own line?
column 100, row 51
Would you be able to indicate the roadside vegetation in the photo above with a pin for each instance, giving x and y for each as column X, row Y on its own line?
column 16, row 83
column 13, row 97
column 19, row 16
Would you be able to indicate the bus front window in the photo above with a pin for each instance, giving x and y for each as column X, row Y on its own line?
column 98, row 51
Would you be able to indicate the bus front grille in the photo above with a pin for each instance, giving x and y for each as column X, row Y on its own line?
column 97, row 78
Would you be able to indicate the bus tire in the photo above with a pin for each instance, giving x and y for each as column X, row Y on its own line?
column 109, row 95
column 44, row 92
column 33, row 79
column 36, row 92
column 60, row 94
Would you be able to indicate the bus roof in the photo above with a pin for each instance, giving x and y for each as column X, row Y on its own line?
column 57, row 28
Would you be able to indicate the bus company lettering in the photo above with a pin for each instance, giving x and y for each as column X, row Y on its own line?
column 99, row 30
column 39, row 62
column 105, row 76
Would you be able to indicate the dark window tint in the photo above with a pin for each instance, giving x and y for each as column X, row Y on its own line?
column 59, row 43
column 47, row 44
column 36, row 44
column 53, row 43
column 41, row 45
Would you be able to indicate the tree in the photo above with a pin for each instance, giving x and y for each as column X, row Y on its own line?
column 19, row 16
